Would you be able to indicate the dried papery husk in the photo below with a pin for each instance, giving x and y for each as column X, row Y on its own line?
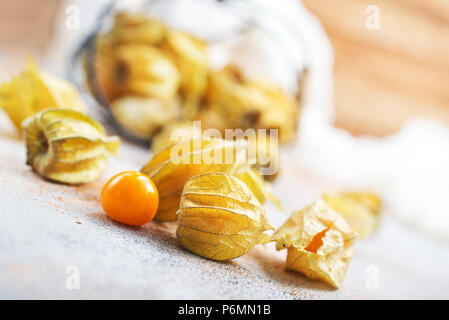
column 172, row 167
column 368, row 199
column 261, row 189
column 229, row 96
column 33, row 91
column 108, row 72
column 185, row 130
column 143, row 116
column 319, row 242
column 267, row 153
column 212, row 118
column 137, row 28
column 220, row 218
column 247, row 103
column 146, row 71
column 67, row 146
column 249, row 175
column 190, row 56
column 163, row 63
column 361, row 210
column 282, row 112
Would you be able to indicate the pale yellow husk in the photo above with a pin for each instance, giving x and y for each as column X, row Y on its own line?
column 246, row 103
column 172, row 133
column 67, row 146
column 143, row 56
column 220, row 218
column 172, row 167
column 147, row 71
column 260, row 188
column 361, row 210
column 319, row 242
column 190, row 56
column 143, row 116
column 33, row 91
column 136, row 28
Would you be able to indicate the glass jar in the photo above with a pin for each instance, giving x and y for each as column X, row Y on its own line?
column 231, row 64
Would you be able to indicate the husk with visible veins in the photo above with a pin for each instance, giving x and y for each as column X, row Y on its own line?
column 220, row 218
column 33, row 91
column 359, row 209
column 249, row 175
column 67, row 146
column 319, row 242
column 172, row 167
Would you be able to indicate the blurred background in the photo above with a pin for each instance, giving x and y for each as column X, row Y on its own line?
column 376, row 113
column 387, row 75
column 375, row 117
column 382, row 77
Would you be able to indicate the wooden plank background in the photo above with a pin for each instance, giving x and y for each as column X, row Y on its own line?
column 385, row 76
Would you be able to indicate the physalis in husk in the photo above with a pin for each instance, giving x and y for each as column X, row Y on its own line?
column 172, row 167
column 220, row 218
column 143, row 116
column 136, row 28
column 166, row 137
column 264, row 150
column 67, row 146
column 258, row 186
column 359, row 209
column 267, row 155
column 190, row 56
column 142, row 56
column 319, row 243
column 247, row 103
column 32, row 91
column 146, row 71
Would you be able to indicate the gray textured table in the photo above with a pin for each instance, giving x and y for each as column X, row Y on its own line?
column 50, row 232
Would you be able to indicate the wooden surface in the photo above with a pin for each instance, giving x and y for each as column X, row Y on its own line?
column 26, row 28
column 385, row 76
column 47, row 227
column 27, row 24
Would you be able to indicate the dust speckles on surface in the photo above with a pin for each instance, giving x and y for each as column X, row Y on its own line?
column 41, row 235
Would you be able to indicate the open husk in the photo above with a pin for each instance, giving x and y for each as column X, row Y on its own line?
column 67, row 146
column 319, row 243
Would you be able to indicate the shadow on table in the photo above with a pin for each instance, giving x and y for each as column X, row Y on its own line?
column 273, row 265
